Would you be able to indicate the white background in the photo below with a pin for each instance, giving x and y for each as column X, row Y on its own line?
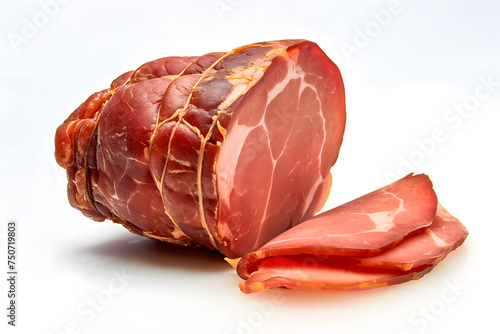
column 408, row 66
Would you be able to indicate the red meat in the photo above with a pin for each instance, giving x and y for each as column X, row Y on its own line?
column 389, row 236
column 223, row 151
column 232, row 151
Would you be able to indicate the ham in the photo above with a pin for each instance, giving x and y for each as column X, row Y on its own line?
column 444, row 235
column 307, row 273
column 232, row 151
column 316, row 261
column 223, row 151
column 365, row 226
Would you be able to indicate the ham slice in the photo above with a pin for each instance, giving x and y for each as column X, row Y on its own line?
column 307, row 273
column 365, row 226
column 444, row 235
column 305, row 257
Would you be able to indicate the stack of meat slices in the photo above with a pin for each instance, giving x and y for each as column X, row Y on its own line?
column 389, row 236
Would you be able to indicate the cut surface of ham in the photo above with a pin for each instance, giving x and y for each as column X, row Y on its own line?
column 296, row 265
column 224, row 151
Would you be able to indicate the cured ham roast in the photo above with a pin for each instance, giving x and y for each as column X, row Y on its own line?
column 224, row 151
column 232, row 151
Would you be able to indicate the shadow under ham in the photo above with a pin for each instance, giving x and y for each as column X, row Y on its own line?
column 146, row 252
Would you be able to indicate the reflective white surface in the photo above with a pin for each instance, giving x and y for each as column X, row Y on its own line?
column 423, row 94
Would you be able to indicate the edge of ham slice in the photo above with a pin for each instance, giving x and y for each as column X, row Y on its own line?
column 413, row 256
column 304, row 273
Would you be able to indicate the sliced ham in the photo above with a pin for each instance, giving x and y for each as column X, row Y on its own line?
column 290, row 261
column 367, row 225
column 308, row 273
column 444, row 235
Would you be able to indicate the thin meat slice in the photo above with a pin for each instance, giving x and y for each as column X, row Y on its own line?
column 308, row 273
column 445, row 234
column 411, row 259
column 365, row 226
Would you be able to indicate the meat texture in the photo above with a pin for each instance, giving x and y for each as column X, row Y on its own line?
column 389, row 236
column 224, row 151
column 232, row 151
